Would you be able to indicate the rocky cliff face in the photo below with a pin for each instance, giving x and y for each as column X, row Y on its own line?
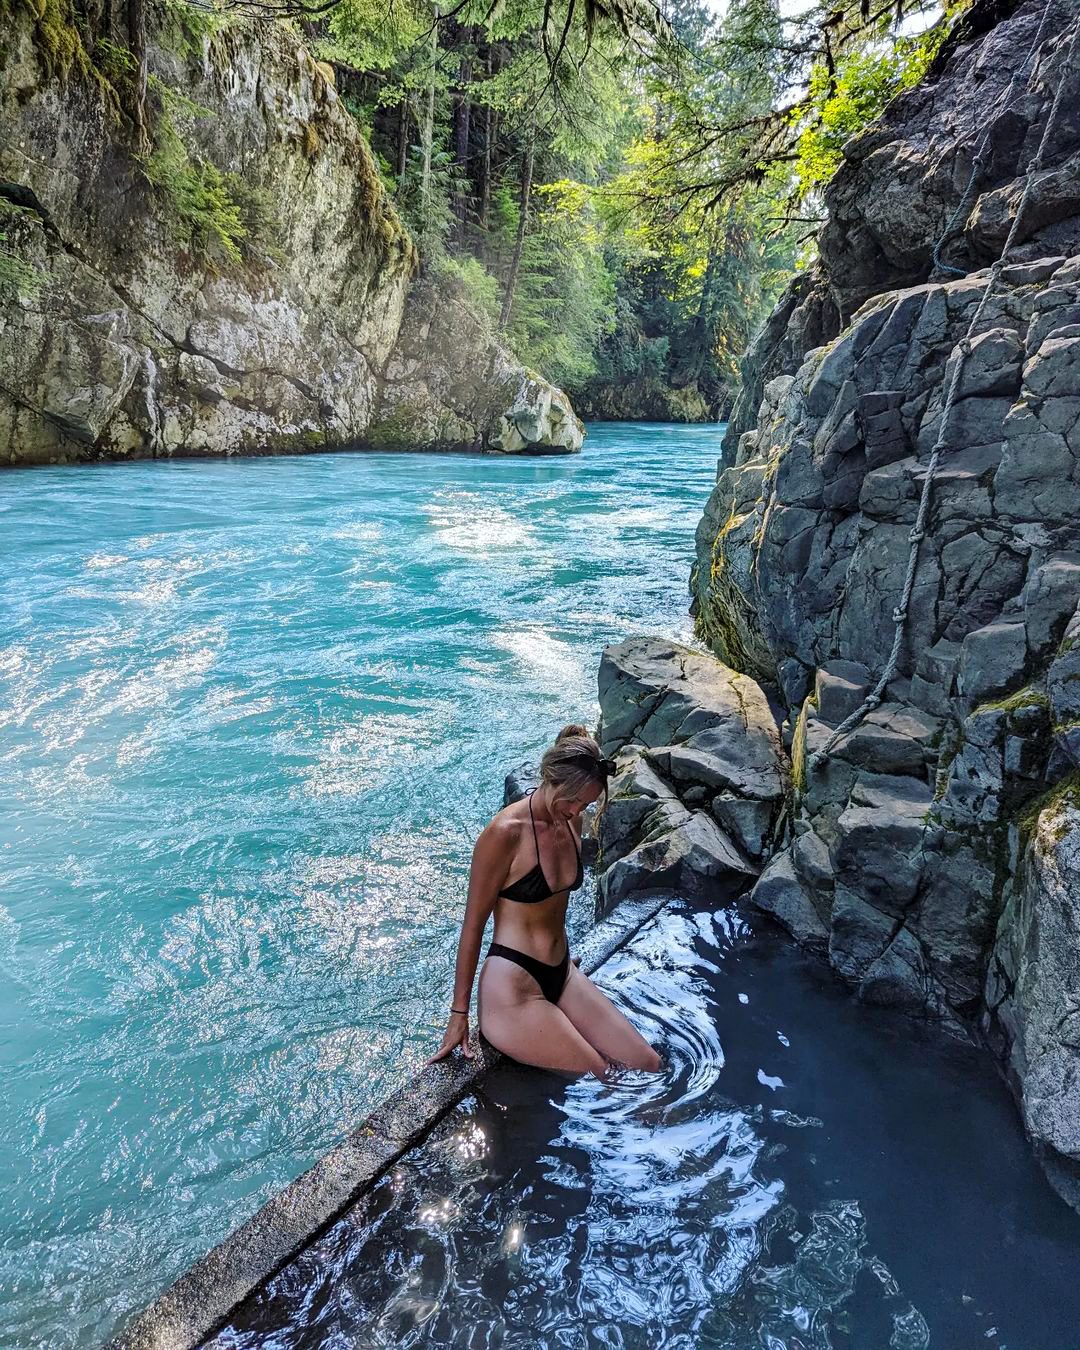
column 644, row 400
column 933, row 856
column 241, row 284
column 701, row 772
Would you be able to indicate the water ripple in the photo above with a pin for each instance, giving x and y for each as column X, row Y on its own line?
column 679, row 1210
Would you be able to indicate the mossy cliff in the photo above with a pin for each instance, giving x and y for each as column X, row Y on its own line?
column 214, row 267
column 933, row 855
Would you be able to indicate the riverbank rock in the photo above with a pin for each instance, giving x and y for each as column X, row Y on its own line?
column 449, row 385
column 701, row 771
column 1032, row 1010
column 245, row 286
column 911, row 862
column 643, row 399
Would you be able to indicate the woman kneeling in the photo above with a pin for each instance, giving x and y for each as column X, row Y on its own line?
column 534, row 1004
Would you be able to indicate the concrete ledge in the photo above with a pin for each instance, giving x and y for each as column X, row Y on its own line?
column 203, row 1297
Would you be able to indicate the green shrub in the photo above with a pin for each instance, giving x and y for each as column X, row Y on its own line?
column 481, row 289
column 846, row 101
column 17, row 278
column 220, row 214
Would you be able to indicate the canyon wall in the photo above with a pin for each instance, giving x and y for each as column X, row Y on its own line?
column 234, row 280
column 933, row 850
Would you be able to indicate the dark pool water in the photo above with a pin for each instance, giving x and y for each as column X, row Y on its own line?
column 807, row 1174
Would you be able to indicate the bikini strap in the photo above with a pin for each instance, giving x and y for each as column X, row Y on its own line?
column 532, row 818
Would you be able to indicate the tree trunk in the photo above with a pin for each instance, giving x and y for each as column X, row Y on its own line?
column 403, row 140
column 462, row 114
column 427, row 135
column 523, row 220
column 485, row 172
column 491, row 131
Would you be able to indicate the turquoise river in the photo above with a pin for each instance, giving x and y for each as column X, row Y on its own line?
column 252, row 715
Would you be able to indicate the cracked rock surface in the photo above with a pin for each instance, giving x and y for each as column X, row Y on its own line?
column 138, row 339
column 701, row 771
column 932, row 856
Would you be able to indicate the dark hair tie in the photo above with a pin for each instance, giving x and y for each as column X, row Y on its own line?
column 599, row 768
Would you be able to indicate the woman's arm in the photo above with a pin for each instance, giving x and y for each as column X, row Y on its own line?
column 490, row 864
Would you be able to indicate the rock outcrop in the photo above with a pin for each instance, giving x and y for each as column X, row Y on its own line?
column 929, row 858
column 449, row 385
column 643, row 399
column 701, row 771
column 243, row 284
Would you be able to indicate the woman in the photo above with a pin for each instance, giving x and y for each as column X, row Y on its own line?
column 534, row 1004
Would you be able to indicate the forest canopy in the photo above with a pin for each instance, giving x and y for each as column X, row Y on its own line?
column 621, row 187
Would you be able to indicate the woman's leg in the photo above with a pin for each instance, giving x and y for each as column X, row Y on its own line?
column 518, row 1020
column 603, row 1025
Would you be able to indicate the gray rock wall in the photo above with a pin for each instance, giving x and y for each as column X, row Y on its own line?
column 140, row 333
column 701, row 774
column 919, row 861
column 901, row 181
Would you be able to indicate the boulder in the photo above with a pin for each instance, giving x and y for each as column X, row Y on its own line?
column 779, row 892
column 539, row 419
column 993, row 661
column 704, row 722
column 839, row 688
column 640, row 806
column 701, row 775
column 892, row 739
column 1049, row 598
column 688, row 853
column 878, row 849
column 520, row 780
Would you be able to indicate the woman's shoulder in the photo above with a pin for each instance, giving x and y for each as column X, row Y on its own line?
column 505, row 825
column 497, row 842
column 510, row 818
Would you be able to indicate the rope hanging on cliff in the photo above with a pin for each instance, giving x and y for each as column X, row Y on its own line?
column 963, row 351
column 963, row 207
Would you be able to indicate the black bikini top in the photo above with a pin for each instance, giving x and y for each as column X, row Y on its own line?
column 533, row 886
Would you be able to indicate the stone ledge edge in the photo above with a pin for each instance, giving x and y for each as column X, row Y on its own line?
column 200, row 1301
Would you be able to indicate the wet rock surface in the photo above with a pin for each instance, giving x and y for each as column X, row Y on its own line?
column 918, row 859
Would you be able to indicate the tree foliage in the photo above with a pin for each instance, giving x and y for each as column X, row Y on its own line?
column 622, row 189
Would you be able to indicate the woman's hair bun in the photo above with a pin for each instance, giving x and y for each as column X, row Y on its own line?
column 571, row 729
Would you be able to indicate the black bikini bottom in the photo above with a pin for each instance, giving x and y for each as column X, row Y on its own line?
column 550, row 978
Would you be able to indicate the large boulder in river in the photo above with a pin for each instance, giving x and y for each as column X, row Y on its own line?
column 449, row 384
column 285, row 313
column 702, row 771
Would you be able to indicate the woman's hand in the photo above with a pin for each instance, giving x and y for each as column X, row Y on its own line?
column 457, row 1033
